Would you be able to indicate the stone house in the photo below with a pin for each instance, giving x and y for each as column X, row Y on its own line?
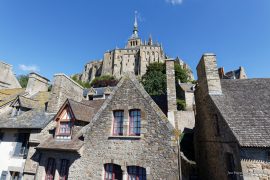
column 232, row 125
column 23, row 116
column 124, row 135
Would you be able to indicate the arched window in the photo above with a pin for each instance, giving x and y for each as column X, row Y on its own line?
column 136, row 173
column 135, row 122
column 50, row 169
column 112, row 172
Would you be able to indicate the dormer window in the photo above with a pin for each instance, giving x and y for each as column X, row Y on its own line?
column 64, row 124
column 65, row 128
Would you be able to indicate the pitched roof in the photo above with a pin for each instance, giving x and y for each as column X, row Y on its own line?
column 187, row 87
column 83, row 111
column 36, row 101
column 245, row 106
column 8, row 95
column 32, row 119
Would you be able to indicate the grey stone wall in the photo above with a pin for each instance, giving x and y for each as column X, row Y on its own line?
column 171, row 91
column 185, row 119
column 208, row 77
column 63, row 87
column 91, row 70
column 36, row 83
column 213, row 138
column 154, row 150
column 255, row 163
column 8, row 79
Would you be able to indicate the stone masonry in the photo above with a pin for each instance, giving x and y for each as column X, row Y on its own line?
column 63, row 87
column 154, row 150
column 36, row 83
column 171, row 91
column 8, row 79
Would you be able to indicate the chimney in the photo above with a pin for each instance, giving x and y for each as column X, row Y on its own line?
column 63, row 88
column 242, row 74
column 208, row 76
column 36, row 83
column 171, row 91
column 8, row 79
column 221, row 72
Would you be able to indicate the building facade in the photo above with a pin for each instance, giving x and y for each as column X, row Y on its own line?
column 231, row 128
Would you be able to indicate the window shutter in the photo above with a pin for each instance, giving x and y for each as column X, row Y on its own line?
column 4, row 175
column 18, row 145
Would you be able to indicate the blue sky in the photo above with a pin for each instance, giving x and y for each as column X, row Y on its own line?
column 55, row 36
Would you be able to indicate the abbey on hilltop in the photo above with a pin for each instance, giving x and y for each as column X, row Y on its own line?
column 133, row 58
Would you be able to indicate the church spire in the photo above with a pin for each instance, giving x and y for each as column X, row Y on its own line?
column 135, row 27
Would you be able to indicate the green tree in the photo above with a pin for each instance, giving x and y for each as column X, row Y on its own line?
column 103, row 81
column 180, row 73
column 154, row 80
column 23, row 80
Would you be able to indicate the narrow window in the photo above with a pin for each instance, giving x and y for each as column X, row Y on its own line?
column 136, row 173
column 118, row 122
column 217, row 130
column 65, row 128
column 230, row 166
column 64, row 169
column 1, row 136
column 135, row 122
column 112, row 172
column 50, row 169
column 22, row 146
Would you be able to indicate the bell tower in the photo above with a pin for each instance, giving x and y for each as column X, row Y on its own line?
column 134, row 40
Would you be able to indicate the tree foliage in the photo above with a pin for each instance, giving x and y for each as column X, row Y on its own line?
column 104, row 81
column 83, row 84
column 154, row 80
column 23, row 80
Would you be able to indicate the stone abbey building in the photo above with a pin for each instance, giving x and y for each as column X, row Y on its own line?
column 135, row 57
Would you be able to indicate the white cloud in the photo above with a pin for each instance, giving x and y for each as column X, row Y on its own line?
column 31, row 68
column 174, row 2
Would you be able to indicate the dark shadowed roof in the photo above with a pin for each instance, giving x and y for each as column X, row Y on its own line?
column 245, row 105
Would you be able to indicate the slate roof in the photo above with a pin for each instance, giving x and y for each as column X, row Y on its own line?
column 245, row 106
column 99, row 91
column 8, row 95
column 32, row 119
column 187, row 87
column 85, row 110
